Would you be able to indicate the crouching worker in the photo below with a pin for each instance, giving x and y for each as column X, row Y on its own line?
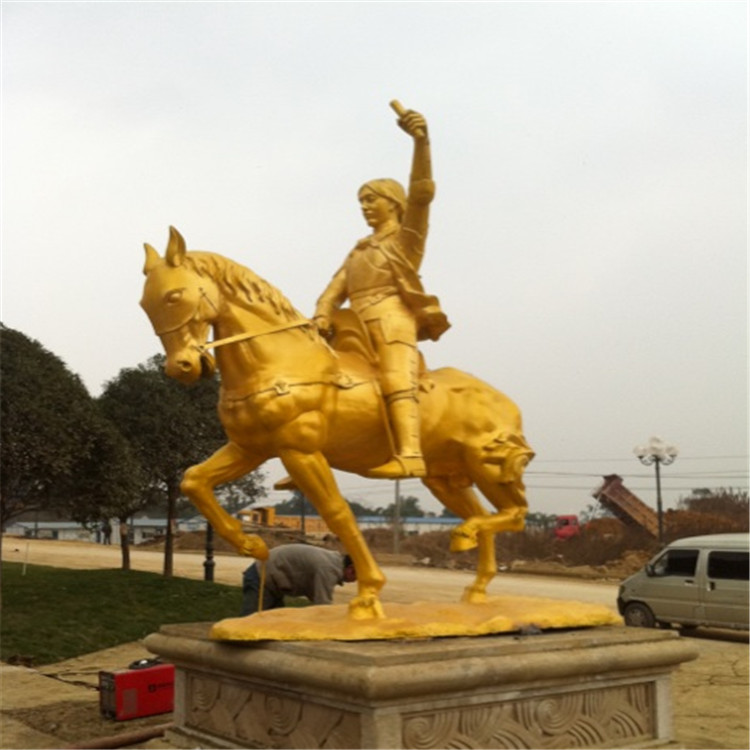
column 296, row 570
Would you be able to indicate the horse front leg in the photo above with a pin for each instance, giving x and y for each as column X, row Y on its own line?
column 313, row 476
column 464, row 503
column 227, row 464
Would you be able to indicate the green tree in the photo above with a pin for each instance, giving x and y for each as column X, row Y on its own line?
column 169, row 426
column 48, row 422
column 725, row 502
column 292, row 507
column 57, row 451
column 296, row 505
column 544, row 521
column 594, row 511
column 409, row 508
column 360, row 510
column 109, row 485
column 239, row 494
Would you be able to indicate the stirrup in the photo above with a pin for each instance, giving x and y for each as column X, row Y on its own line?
column 399, row 467
column 287, row 483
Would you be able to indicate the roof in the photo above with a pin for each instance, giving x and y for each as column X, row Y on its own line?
column 720, row 541
column 137, row 522
column 427, row 520
column 45, row 525
column 386, row 520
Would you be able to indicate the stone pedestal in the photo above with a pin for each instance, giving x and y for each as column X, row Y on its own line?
column 597, row 687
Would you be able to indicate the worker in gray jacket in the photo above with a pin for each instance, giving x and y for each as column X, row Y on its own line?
column 296, row 570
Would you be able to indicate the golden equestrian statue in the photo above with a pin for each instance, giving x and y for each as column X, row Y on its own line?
column 358, row 399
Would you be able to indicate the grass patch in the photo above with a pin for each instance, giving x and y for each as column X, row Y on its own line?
column 51, row 614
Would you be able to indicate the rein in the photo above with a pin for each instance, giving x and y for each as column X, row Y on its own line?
column 251, row 335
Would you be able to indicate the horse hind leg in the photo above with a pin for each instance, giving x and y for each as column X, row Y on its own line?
column 464, row 503
column 506, row 494
column 512, row 509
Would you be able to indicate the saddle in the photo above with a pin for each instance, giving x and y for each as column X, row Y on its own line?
column 349, row 335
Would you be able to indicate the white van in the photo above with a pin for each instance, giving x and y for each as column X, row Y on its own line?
column 701, row 580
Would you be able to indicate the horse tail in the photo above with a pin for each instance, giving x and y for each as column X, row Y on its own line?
column 510, row 452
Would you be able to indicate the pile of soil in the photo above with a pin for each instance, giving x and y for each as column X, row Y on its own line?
column 616, row 570
column 682, row 523
column 195, row 541
column 607, row 549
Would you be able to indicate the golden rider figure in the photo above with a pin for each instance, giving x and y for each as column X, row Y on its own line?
column 380, row 279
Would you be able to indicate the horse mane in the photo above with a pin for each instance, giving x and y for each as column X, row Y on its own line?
column 242, row 284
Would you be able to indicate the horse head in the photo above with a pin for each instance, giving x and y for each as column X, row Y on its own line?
column 182, row 306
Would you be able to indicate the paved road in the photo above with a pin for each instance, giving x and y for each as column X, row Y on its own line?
column 405, row 584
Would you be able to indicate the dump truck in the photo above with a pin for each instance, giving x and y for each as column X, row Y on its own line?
column 626, row 506
column 567, row 527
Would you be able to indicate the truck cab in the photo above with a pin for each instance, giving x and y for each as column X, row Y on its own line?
column 566, row 527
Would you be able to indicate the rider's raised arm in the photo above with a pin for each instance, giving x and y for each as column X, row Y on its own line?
column 421, row 187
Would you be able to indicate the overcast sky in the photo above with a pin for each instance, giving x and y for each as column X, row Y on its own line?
column 588, row 240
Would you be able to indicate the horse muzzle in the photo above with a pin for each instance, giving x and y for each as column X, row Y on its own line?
column 189, row 366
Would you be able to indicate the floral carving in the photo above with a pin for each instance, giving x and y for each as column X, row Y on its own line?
column 583, row 719
column 258, row 719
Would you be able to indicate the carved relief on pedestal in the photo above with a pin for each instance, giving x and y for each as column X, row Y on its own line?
column 582, row 719
column 259, row 719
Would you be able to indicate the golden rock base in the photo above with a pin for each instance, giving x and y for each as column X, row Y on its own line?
column 503, row 614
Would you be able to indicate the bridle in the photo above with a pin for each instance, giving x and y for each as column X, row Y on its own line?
column 190, row 316
column 246, row 336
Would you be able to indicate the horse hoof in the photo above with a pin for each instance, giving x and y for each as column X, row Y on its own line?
column 366, row 608
column 462, row 540
column 473, row 595
column 254, row 546
column 516, row 524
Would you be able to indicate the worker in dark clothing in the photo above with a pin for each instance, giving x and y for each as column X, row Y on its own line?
column 296, row 570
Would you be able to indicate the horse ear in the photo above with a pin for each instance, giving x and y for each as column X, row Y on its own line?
column 176, row 248
column 152, row 258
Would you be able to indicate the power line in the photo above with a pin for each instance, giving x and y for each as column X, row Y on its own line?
column 377, row 492
column 729, row 473
column 645, row 489
column 629, row 460
column 386, row 489
column 384, row 494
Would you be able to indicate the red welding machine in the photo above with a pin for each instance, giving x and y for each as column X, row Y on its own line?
column 146, row 688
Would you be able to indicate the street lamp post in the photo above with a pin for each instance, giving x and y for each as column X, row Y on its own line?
column 208, row 563
column 658, row 453
column 397, row 520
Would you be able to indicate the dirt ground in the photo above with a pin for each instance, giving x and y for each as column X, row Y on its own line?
column 58, row 705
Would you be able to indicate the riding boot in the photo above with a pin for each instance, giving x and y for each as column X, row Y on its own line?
column 403, row 411
column 287, row 483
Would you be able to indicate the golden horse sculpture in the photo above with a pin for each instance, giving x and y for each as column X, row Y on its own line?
column 286, row 392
